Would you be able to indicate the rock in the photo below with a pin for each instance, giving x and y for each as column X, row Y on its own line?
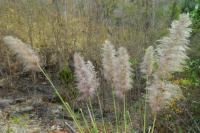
column 22, row 110
column 5, row 103
column 59, row 131
column 57, row 110
column 20, row 100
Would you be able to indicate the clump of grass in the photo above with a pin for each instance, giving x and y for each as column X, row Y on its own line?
column 170, row 55
column 117, row 69
column 118, row 72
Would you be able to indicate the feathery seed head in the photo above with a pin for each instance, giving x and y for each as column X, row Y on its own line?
column 87, row 81
column 161, row 93
column 147, row 64
column 180, row 27
column 108, row 61
column 123, row 73
column 171, row 51
column 92, row 78
column 117, row 69
column 24, row 53
column 170, row 56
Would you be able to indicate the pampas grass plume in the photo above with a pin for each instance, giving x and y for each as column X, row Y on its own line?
column 147, row 64
column 161, row 93
column 24, row 53
column 87, row 81
column 108, row 61
column 117, row 69
column 123, row 73
column 171, row 51
column 170, row 57
column 92, row 78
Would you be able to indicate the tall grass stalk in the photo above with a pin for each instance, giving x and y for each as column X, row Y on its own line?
column 145, row 107
column 145, row 112
column 92, row 113
column 125, row 121
column 92, row 120
column 115, row 109
column 129, row 117
column 154, row 122
column 149, row 129
column 85, row 121
column 102, row 117
column 65, row 104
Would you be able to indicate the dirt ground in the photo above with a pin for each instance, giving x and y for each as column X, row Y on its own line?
column 28, row 106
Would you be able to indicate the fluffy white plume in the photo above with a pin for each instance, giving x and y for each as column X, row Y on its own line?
column 117, row 69
column 24, row 53
column 147, row 64
column 122, row 74
column 108, row 61
column 171, row 52
column 92, row 78
column 87, row 81
column 161, row 93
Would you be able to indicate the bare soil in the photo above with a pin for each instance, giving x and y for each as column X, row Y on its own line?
column 29, row 106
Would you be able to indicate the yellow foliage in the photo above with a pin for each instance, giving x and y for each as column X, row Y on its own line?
column 174, row 106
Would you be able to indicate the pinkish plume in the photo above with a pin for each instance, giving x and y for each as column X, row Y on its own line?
column 116, row 68
column 87, row 81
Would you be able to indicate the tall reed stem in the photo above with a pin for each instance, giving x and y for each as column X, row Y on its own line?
column 145, row 109
column 85, row 121
column 115, row 109
column 104, row 128
column 125, row 123
column 95, row 124
column 154, row 121
column 65, row 104
column 92, row 119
